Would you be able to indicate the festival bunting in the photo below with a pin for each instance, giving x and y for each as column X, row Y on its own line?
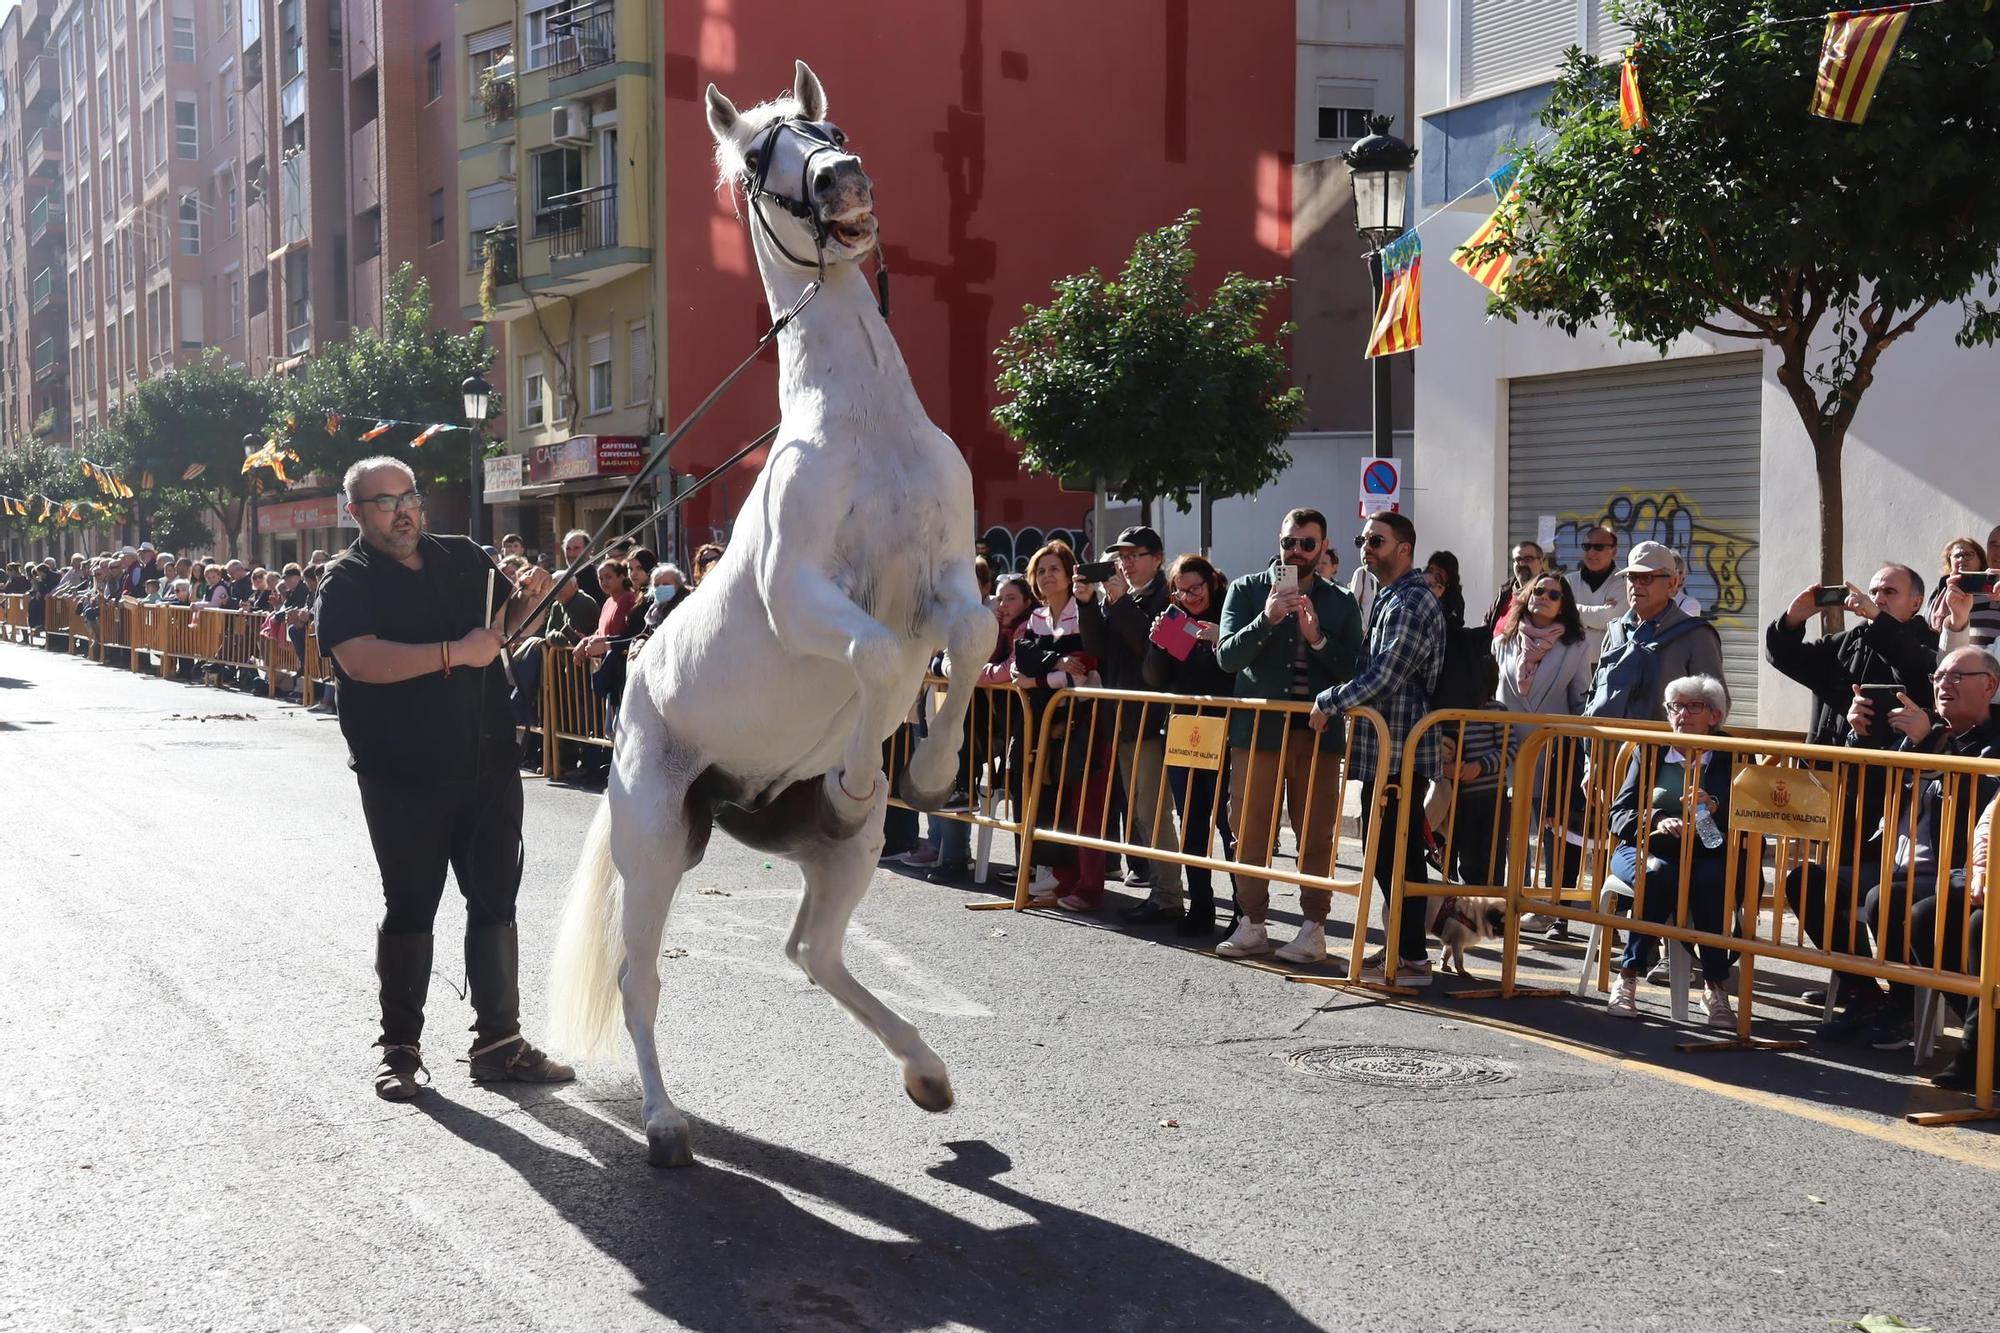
column 376, row 431
column 1399, row 323
column 1852, row 56
column 424, row 435
column 193, row 470
column 272, row 456
column 1490, row 273
column 1631, row 105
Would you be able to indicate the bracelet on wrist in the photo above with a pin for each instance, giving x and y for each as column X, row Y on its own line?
column 444, row 652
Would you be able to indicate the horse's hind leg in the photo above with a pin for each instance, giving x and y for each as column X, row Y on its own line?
column 836, row 876
column 653, row 845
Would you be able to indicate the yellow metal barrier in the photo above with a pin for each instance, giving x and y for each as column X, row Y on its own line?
column 995, row 762
column 571, row 711
column 14, row 615
column 1794, row 847
column 1288, row 768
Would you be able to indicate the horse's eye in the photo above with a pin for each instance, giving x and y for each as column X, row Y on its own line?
column 750, row 161
column 838, row 137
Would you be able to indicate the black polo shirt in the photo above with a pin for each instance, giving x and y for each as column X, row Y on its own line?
column 432, row 728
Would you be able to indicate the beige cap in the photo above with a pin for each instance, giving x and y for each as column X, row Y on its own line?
column 1651, row 558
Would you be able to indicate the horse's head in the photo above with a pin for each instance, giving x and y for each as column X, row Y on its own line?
column 806, row 192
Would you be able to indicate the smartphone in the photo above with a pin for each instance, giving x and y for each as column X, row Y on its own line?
column 1976, row 583
column 1096, row 571
column 1831, row 594
column 1287, row 578
column 1885, row 701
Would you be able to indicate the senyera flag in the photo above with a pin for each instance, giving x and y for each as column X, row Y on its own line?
column 1852, row 56
column 1490, row 273
column 1631, row 106
column 1399, row 325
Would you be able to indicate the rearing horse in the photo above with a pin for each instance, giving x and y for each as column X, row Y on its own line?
column 763, row 703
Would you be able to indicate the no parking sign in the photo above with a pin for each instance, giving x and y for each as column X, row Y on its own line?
column 1381, row 486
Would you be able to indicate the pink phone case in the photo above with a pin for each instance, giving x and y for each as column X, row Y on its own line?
column 1177, row 635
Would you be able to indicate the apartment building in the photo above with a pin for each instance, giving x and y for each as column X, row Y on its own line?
column 557, row 140
column 34, row 298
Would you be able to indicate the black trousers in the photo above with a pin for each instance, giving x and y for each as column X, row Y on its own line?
column 474, row 828
column 1410, row 939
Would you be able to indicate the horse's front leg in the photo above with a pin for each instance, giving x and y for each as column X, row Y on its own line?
column 968, row 630
column 812, row 616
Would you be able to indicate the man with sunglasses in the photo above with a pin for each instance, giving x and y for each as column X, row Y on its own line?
column 1598, row 590
column 1400, row 666
column 1528, row 560
column 430, row 734
column 1286, row 634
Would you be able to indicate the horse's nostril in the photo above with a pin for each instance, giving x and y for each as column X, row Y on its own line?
column 823, row 180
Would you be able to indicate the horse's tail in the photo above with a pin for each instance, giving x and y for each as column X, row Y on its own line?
column 584, row 1003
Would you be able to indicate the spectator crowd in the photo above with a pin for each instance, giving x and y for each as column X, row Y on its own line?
column 1619, row 637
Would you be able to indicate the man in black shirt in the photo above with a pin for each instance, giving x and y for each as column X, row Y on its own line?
column 423, row 705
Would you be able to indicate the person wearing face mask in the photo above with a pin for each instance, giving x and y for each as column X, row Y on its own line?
column 667, row 588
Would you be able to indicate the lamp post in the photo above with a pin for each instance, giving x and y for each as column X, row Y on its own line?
column 478, row 396
column 1378, row 167
column 251, row 444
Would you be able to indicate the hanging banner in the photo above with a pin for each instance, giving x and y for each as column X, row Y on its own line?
column 1488, row 273
column 1399, row 325
column 1852, row 56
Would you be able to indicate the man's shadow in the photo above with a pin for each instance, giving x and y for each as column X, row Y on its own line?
column 718, row 1247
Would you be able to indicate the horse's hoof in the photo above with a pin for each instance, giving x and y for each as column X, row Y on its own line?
column 670, row 1147
column 922, row 798
column 930, row 1091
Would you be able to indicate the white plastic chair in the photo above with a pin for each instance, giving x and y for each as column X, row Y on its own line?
column 1680, row 967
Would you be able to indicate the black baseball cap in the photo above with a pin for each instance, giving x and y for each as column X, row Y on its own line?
column 1143, row 538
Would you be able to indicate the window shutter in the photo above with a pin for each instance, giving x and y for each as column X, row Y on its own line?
column 1507, row 44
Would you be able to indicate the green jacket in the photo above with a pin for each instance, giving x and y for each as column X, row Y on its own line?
column 1259, row 654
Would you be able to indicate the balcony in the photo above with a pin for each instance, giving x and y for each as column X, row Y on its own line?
column 577, row 223
column 496, row 93
column 39, row 81
column 45, row 219
column 585, row 38
column 363, row 156
column 49, row 361
column 294, row 198
column 361, row 39
column 45, row 152
column 299, row 336
column 292, row 99
column 46, row 288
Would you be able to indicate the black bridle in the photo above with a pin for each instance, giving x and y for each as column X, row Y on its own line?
column 755, row 183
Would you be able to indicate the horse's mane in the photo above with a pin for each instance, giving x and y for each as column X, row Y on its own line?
column 750, row 124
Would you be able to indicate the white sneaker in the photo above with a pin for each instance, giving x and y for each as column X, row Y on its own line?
column 1624, row 1001
column 1409, row 972
column 1715, row 1004
column 1248, row 939
column 1538, row 923
column 1308, row 946
column 1043, row 885
column 1660, row 975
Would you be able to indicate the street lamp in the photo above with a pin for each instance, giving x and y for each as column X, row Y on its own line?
column 1378, row 167
column 478, row 395
column 251, row 444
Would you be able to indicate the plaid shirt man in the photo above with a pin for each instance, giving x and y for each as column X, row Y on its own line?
column 1399, row 668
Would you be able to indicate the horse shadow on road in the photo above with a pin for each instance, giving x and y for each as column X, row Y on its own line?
column 719, row 1246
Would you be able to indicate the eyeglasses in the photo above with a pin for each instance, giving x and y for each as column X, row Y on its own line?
column 1680, row 706
column 1955, row 677
column 1553, row 594
column 1370, row 541
column 1298, row 543
column 406, row 503
column 1641, row 580
column 1600, row 546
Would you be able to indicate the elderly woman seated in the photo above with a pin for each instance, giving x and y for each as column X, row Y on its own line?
column 1665, row 815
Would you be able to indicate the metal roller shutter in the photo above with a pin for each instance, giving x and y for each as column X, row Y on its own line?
column 1507, row 44
column 1666, row 452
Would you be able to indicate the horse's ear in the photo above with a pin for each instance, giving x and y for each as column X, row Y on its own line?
column 721, row 113
column 811, row 97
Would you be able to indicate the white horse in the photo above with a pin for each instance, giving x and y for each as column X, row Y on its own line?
column 762, row 705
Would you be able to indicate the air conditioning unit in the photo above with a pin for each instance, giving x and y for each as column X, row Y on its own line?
column 570, row 122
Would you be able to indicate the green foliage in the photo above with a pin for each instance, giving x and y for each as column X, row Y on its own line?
column 37, row 467
column 409, row 371
column 198, row 413
column 1743, row 214
column 1137, row 381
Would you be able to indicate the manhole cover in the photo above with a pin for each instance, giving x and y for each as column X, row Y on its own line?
column 1398, row 1066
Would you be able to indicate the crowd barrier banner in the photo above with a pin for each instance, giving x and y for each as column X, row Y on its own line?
column 1282, row 766
column 1795, row 851
column 14, row 616
column 995, row 758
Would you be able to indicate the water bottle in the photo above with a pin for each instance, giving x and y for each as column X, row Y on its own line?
column 1706, row 829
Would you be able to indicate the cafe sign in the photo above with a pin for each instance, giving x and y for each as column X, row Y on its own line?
column 1782, row 802
column 300, row 515
column 584, row 456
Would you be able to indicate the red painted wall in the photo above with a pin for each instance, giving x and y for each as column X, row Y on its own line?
column 1011, row 142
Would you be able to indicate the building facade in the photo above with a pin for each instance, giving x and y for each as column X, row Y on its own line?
column 34, row 293
column 558, row 140
column 1534, row 434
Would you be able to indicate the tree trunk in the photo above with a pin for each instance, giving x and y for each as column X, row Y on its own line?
column 1827, row 442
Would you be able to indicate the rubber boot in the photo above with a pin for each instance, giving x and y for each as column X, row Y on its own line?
column 403, row 969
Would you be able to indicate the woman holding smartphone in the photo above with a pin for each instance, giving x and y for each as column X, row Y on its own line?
column 1965, row 611
column 1188, row 666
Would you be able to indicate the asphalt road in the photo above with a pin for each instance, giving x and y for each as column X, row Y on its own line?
column 1141, row 1141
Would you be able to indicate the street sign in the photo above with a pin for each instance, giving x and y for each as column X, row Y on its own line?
column 1381, row 486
